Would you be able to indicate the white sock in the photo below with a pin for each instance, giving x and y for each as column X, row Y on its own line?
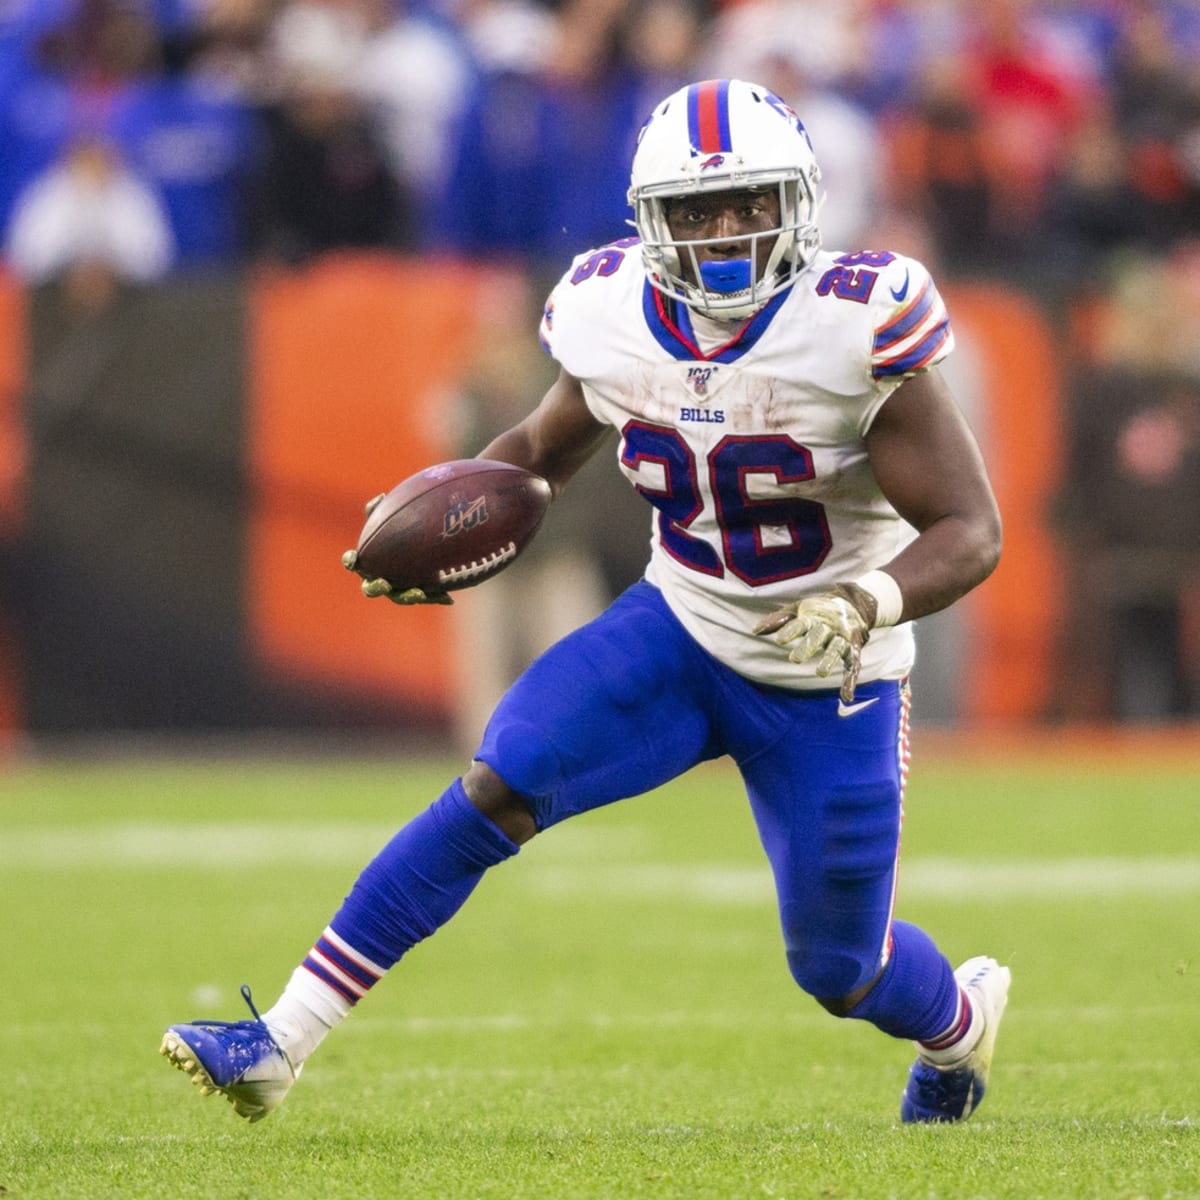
column 304, row 1014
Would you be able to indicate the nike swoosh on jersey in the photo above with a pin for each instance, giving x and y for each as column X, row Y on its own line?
column 848, row 710
column 902, row 291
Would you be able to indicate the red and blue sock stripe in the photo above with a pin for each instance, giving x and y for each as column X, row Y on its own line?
column 958, row 1030
column 338, row 965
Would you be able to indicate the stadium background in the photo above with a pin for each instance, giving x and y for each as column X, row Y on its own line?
column 362, row 204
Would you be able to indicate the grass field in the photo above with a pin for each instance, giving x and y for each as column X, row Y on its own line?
column 611, row 1015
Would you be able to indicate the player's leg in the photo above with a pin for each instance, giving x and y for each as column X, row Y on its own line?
column 614, row 710
column 828, row 799
column 416, row 883
column 604, row 714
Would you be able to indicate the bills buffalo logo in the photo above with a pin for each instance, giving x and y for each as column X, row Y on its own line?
column 789, row 114
column 462, row 515
column 699, row 378
column 713, row 160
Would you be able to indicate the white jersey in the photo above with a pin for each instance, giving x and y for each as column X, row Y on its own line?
column 753, row 453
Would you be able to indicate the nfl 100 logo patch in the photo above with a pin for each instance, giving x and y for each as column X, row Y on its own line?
column 700, row 379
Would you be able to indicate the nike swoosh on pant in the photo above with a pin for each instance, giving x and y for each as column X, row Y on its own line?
column 848, row 710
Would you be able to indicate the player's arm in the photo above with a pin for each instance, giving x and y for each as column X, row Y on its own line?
column 556, row 439
column 929, row 467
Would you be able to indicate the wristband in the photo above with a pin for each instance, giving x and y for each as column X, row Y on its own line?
column 887, row 596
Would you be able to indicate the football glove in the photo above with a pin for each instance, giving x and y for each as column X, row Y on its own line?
column 831, row 627
column 372, row 588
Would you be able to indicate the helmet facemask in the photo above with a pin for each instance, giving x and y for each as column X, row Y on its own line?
column 668, row 164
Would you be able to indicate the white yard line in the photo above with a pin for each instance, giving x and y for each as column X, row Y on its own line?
column 573, row 873
column 962, row 880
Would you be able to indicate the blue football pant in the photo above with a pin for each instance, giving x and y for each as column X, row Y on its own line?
column 631, row 701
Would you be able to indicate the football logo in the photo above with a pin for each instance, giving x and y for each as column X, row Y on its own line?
column 463, row 515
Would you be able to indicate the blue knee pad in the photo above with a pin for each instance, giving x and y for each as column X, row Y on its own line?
column 837, row 912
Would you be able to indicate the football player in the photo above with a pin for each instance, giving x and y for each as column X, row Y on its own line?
column 814, row 490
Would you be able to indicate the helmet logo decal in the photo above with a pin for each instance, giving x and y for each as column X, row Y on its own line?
column 789, row 114
column 708, row 117
column 713, row 160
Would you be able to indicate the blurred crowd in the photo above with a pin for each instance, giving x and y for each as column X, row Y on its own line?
column 1053, row 144
column 1020, row 137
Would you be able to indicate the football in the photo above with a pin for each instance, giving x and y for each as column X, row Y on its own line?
column 452, row 526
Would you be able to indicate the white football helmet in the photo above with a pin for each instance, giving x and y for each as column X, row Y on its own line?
column 723, row 135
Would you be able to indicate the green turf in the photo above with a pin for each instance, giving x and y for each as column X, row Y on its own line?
column 610, row 1016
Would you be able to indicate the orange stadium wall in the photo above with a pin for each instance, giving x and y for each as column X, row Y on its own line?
column 13, row 454
column 263, row 412
column 353, row 365
column 1013, row 617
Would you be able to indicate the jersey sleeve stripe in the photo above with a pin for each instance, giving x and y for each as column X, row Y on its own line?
column 907, row 319
column 936, row 342
column 901, row 345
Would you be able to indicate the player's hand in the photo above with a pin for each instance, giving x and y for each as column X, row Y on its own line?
column 373, row 588
column 831, row 627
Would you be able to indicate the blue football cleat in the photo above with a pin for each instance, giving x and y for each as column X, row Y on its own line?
column 239, row 1059
column 953, row 1091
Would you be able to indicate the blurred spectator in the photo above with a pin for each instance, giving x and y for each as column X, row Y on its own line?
column 941, row 169
column 104, row 47
column 1129, row 510
column 224, row 44
column 1093, row 210
column 1152, row 77
column 325, row 181
column 822, row 41
column 65, row 62
column 540, row 168
column 503, row 175
column 1156, row 104
column 193, row 141
column 90, row 223
column 1030, row 97
column 414, row 76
